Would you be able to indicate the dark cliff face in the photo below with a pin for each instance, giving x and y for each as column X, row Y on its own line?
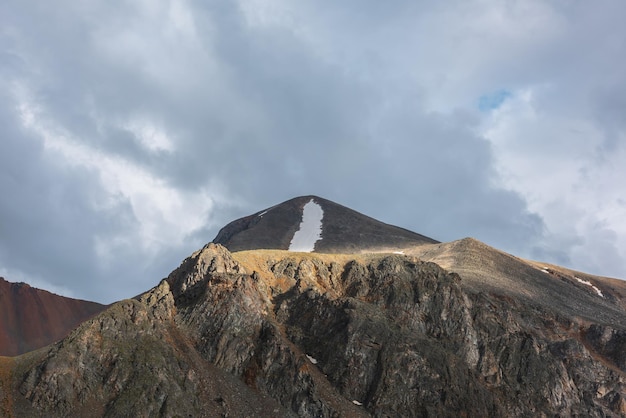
column 31, row 318
column 343, row 230
column 273, row 333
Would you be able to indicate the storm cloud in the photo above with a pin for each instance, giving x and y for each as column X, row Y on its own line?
column 130, row 133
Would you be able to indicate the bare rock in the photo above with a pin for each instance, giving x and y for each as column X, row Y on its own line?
column 324, row 336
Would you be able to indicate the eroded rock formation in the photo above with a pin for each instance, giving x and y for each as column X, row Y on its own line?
column 272, row 333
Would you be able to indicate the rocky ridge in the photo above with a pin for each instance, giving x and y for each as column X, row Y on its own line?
column 274, row 333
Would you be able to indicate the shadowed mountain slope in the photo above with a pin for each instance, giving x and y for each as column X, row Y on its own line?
column 31, row 318
column 343, row 230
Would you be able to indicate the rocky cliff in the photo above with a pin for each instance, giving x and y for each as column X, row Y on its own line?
column 277, row 333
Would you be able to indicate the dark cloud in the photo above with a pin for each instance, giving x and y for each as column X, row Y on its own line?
column 131, row 134
column 48, row 219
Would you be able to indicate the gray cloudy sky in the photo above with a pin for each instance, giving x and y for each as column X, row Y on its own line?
column 131, row 131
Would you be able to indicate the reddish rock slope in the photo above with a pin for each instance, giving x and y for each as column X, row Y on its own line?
column 32, row 318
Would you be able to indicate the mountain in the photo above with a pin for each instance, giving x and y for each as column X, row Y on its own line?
column 487, row 270
column 310, row 223
column 442, row 329
column 31, row 318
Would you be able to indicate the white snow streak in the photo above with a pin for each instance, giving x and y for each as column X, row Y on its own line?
column 311, row 359
column 588, row 283
column 310, row 229
column 357, row 402
column 266, row 210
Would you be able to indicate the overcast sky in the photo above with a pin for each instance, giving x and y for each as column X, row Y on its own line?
column 130, row 132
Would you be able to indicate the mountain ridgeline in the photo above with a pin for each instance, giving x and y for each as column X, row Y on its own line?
column 359, row 319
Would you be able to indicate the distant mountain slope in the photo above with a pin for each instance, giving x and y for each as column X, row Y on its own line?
column 486, row 269
column 343, row 230
column 31, row 318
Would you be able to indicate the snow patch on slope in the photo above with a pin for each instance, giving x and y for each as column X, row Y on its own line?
column 260, row 215
column 588, row 283
column 310, row 228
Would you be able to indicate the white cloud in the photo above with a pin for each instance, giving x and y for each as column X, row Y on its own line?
column 554, row 160
column 149, row 135
column 165, row 215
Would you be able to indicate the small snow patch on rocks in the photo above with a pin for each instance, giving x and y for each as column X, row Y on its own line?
column 588, row 283
column 311, row 359
column 357, row 403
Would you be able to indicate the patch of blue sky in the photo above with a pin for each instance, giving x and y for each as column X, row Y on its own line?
column 493, row 100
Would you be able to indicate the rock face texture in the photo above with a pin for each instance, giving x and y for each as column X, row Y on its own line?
column 343, row 230
column 272, row 333
column 31, row 318
column 277, row 333
column 131, row 360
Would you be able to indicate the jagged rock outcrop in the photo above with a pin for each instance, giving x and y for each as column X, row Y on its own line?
column 31, row 318
column 272, row 333
column 131, row 360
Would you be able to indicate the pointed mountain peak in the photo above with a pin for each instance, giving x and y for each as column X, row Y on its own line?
column 313, row 224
